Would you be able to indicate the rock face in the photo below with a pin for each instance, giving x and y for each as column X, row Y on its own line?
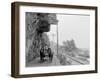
column 36, row 26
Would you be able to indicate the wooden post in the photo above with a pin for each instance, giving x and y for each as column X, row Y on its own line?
column 57, row 39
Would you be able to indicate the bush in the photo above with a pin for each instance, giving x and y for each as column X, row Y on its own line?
column 62, row 59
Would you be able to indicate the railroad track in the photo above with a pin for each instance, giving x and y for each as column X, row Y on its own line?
column 76, row 60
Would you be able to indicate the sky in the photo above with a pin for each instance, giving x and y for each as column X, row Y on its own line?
column 76, row 27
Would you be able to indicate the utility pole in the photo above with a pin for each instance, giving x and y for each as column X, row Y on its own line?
column 57, row 39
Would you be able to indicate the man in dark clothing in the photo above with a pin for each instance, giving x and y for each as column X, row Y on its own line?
column 50, row 54
column 42, row 54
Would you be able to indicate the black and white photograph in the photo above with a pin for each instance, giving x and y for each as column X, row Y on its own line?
column 57, row 39
column 52, row 39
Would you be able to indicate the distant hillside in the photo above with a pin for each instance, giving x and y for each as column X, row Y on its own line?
column 70, row 48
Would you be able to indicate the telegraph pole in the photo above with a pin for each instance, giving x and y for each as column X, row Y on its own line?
column 57, row 38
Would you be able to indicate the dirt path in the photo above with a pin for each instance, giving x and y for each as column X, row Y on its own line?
column 46, row 62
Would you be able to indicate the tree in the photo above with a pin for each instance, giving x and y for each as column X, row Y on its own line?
column 69, row 45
